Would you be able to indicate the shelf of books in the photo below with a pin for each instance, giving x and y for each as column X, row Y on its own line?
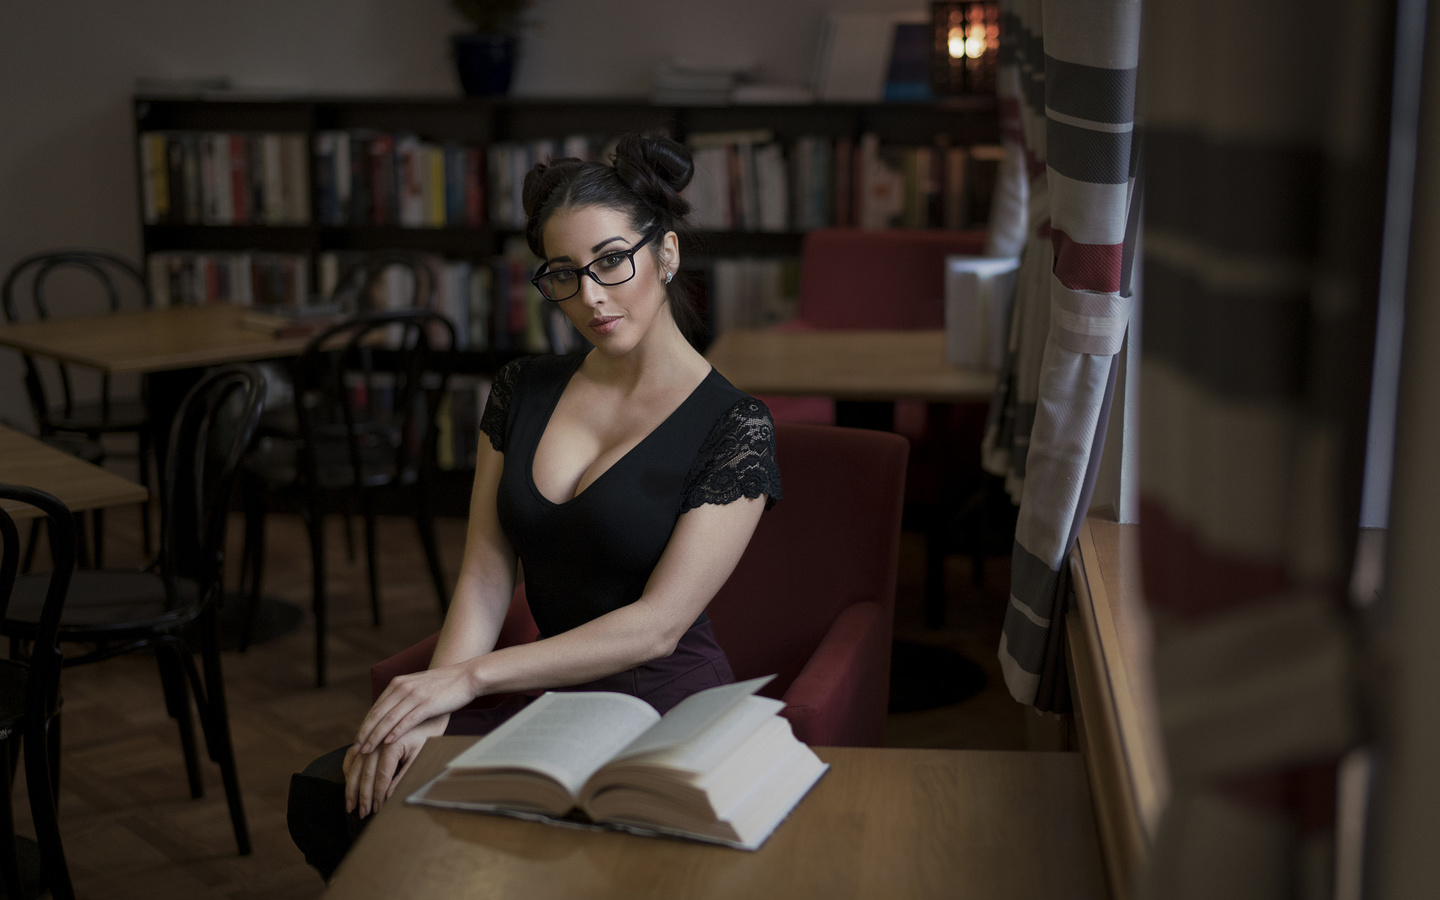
column 263, row 201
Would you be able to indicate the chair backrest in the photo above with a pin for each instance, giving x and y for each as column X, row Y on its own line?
column 45, row 657
column 372, row 384
column 832, row 541
column 211, row 433
column 365, row 285
column 865, row 278
column 99, row 276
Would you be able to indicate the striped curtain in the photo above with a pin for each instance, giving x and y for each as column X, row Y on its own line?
column 1068, row 75
column 1264, row 133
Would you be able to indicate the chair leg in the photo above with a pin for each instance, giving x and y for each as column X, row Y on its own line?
column 9, row 859
column 252, row 560
column 425, row 522
column 368, row 511
column 30, row 546
column 143, row 452
column 177, row 704
column 215, row 717
column 97, row 528
column 316, row 525
column 38, row 778
column 936, row 543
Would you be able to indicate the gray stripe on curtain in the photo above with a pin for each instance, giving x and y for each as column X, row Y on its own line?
column 1032, row 580
column 1025, row 640
column 1099, row 157
column 1236, row 198
column 1088, row 92
column 1239, row 344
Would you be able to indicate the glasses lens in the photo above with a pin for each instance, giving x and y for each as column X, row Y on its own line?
column 617, row 268
column 560, row 285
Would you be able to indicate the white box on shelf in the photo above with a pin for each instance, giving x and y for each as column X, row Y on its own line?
column 978, row 292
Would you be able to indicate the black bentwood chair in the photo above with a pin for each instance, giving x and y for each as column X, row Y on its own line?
column 367, row 393
column 82, row 276
column 29, row 701
column 170, row 607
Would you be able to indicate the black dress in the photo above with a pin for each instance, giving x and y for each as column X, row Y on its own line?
column 591, row 554
column 594, row 553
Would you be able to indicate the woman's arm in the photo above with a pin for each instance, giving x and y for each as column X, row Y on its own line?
column 477, row 611
column 702, row 552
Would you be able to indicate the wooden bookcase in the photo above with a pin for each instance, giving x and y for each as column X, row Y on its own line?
column 485, row 122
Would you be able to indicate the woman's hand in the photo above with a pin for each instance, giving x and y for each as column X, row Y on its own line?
column 415, row 698
column 370, row 778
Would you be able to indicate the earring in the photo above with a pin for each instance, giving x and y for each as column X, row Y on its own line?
column 668, row 276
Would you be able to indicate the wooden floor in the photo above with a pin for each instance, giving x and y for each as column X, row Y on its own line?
column 131, row 829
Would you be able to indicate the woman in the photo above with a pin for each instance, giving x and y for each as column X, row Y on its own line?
column 627, row 480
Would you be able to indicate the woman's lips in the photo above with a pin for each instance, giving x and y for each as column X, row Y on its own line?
column 604, row 324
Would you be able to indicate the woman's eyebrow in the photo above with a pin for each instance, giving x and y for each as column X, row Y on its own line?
column 594, row 249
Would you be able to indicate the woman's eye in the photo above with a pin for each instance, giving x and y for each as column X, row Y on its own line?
column 562, row 276
column 612, row 261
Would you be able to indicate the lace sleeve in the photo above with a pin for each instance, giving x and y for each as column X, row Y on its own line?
column 495, row 420
column 737, row 459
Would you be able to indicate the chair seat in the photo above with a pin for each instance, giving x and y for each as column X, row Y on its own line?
column 92, row 418
column 102, row 605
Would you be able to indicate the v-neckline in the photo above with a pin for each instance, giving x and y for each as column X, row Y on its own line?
column 545, row 426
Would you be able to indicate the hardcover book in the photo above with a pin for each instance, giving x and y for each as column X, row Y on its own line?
column 720, row 767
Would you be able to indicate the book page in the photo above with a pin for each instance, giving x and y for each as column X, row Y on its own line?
column 566, row 736
column 692, row 716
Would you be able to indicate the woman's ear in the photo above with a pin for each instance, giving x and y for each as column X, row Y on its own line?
column 669, row 256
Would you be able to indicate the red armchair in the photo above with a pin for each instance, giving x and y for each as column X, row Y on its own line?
column 812, row 600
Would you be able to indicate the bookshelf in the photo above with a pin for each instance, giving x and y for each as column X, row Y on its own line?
column 281, row 211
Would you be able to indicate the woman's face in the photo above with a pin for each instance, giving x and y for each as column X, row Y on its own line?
column 615, row 318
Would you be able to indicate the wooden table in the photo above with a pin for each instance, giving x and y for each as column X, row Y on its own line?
column 147, row 341
column 881, row 366
column 79, row 485
column 882, row 823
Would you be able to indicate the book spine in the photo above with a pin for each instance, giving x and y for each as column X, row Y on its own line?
column 239, row 179
column 474, row 187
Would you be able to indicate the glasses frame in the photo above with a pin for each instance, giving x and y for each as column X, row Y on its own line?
column 585, row 269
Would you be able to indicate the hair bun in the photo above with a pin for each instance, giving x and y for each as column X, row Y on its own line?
column 657, row 169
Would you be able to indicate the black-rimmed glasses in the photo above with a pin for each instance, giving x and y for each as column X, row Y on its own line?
column 609, row 270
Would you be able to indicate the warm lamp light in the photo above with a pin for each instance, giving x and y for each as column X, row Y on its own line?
column 966, row 46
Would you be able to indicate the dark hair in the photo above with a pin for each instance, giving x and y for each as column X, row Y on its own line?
column 643, row 180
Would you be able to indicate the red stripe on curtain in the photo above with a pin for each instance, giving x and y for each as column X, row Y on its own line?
column 1034, row 165
column 1087, row 267
column 1184, row 576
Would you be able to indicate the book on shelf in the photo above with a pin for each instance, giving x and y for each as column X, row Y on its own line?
column 720, row 767
column 223, row 178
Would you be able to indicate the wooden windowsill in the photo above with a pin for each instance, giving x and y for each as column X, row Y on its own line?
column 1108, row 642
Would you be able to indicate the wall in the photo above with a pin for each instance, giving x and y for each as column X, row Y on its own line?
column 67, row 71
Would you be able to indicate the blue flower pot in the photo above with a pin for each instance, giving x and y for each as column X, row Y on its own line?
column 484, row 62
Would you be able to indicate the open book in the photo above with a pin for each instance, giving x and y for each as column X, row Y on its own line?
column 721, row 766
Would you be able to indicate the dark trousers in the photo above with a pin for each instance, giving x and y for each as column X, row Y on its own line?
column 319, row 824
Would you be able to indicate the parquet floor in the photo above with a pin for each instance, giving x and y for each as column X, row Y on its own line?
column 131, row 829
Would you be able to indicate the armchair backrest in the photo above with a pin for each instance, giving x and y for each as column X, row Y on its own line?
column 833, row 541
column 210, row 435
column 892, row 278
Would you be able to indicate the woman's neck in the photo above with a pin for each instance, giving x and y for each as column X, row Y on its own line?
column 663, row 357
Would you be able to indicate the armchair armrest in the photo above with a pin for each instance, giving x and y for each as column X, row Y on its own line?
column 840, row 697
